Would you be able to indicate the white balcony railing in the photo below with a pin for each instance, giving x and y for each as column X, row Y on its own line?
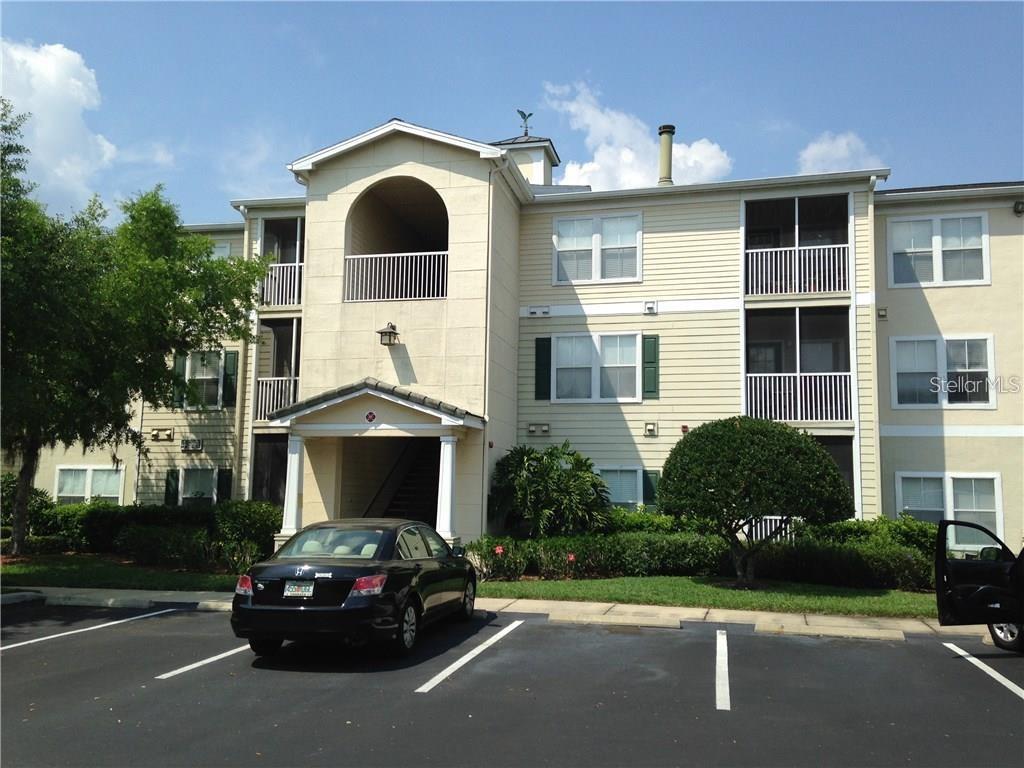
column 282, row 286
column 273, row 394
column 799, row 396
column 396, row 276
column 776, row 527
column 808, row 269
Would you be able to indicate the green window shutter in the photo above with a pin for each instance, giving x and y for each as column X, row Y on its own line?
column 171, row 488
column 651, row 478
column 650, row 368
column 230, row 392
column 223, row 484
column 179, row 383
column 542, row 368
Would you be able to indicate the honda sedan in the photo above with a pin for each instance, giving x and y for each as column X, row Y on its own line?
column 360, row 580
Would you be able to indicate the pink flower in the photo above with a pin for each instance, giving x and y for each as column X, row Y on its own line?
column 571, row 557
column 499, row 550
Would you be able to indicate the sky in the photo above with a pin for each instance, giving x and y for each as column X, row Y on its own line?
column 212, row 100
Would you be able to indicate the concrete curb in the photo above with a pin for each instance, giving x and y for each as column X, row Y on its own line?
column 16, row 598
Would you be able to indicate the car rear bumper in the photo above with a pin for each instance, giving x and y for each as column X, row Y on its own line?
column 355, row 623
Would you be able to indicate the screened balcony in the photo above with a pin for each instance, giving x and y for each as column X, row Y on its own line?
column 282, row 242
column 277, row 372
column 797, row 245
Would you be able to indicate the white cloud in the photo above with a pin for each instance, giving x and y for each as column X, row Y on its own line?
column 53, row 84
column 837, row 152
column 151, row 153
column 254, row 166
column 624, row 149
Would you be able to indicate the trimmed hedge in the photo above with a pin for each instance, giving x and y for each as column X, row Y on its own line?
column 39, row 545
column 238, row 522
column 186, row 546
column 862, row 563
column 38, row 500
column 641, row 520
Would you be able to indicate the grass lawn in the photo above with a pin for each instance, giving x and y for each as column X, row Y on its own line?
column 104, row 571
column 782, row 596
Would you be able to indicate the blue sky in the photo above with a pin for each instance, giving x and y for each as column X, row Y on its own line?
column 214, row 99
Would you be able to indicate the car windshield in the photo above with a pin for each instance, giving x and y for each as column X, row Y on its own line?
column 359, row 543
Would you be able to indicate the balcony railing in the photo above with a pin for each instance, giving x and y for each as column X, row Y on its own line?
column 774, row 527
column 396, row 276
column 282, row 286
column 808, row 269
column 799, row 396
column 273, row 394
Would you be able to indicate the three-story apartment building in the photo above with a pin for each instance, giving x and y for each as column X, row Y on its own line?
column 434, row 301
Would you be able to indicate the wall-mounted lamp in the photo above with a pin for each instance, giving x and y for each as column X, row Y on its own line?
column 883, row 313
column 651, row 428
column 1018, row 207
column 388, row 335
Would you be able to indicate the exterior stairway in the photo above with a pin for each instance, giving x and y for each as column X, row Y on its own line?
column 416, row 496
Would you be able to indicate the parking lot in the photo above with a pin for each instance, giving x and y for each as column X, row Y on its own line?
column 176, row 688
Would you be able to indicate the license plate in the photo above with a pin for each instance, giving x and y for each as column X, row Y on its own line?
column 298, row 589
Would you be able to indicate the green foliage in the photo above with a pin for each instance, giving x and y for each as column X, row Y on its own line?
column 549, row 492
column 727, row 472
column 640, row 520
column 240, row 522
column 500, row 558
column 905, row 531
column 39, row 545
column 39, row 500
column 100, row 524
column 239, row 556
column 184, row 546
column 865, row 562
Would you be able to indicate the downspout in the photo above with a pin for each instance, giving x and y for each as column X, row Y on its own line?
column 138, row 452
column 243, row 361
column 497, row 168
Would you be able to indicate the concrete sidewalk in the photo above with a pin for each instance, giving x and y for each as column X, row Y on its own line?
column 815, row 625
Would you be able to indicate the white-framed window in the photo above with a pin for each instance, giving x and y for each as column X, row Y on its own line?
column 602, row 367
column 951, row 249
column 222, row 250
column 76, row 484
column 952, row 372
column 968, row 497
column 604, row 248
column 205, row 371
column 197, row 486
column 625, row 484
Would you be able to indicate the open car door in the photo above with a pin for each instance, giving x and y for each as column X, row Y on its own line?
column 978, row 580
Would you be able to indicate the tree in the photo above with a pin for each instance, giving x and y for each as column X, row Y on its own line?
column 92, row 317
column 726, row 473
column 555, row 491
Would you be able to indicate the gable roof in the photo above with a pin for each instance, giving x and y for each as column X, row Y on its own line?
column 454, row 414
column 394, row 125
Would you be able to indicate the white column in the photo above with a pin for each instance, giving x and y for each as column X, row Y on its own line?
column 293, row 487
column 446, row 487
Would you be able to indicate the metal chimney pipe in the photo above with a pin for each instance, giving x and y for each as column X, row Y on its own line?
column 666, row 132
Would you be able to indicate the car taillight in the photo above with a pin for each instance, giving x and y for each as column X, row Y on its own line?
column 368, row 585
column 244, row 586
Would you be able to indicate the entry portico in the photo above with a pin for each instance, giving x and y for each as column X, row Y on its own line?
column 335, row 469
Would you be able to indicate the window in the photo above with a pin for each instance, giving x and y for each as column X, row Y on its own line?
column 198, row 487
column 961, row 496
column 204, row 372
column 221, row 251
column 624, row 485
column 920, row 381
column 411, row 546
column 939, row 250
column 79, row 484
column 598, row 248
column 438, row 547
column 601, row 367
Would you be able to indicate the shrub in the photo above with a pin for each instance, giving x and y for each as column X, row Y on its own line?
column 904, row 531
column 239, row 556
column 549, row 492
column 256, row 522
column 101, row 522
column 500, row 558
column 176, row 545
column 871, row 563
column 38, row 501
column 39, row 545
column 5, row 532
column 726, row 472
column 62, row 520
column 639, row 520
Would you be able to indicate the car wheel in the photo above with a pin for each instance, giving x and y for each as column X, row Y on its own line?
column 408, row 629
column 265, row 645
column 468, row 601
column 1007, row 636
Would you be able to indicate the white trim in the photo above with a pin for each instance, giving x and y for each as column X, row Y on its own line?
column 88, row 479
column 626, row 468
column 596, row 248
column 354, row 430
column 307, row 162
column 741, row 303
column 896, row 196
column 446, row 419
column 937, row 268
column 220, row 379
column 851, row 320
column 595, row 367
column 947, row 430
column 948, row 477
column 864, row 298
column 607, row 309
column 200, row 467
column 942, row 372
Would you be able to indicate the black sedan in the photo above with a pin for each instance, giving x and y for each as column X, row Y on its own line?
column 363, row 580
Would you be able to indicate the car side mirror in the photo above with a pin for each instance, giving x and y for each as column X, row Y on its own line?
column 992, row 554
column 458, row 551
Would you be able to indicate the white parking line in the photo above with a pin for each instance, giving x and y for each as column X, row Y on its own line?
column 1012, row 686
column 204, row 662
column 722, row 699
column 429, row 685
column 85, row 629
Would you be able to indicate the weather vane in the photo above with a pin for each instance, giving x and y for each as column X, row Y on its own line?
column 526, row 125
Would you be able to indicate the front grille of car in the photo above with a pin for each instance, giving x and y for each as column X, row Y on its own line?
column 326, row 592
